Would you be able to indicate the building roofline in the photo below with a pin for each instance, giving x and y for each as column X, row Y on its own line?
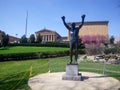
column 14, row 37
column 91, row 22
column 48, row 30
column 45, row 30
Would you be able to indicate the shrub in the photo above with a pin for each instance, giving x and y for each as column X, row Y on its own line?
column 94, row 49
column 36, row 55
column 112, row 50
column 81, row 51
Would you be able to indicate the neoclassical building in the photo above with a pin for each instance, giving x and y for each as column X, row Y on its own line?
column 48, row 35
column 92, row 28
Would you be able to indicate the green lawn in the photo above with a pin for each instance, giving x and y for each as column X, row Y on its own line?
column 15, row 74
column 26, row 49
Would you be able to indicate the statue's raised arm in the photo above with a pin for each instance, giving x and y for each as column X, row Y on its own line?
column 83, row 17
column 63, row 19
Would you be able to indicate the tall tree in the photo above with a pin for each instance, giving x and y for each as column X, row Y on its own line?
column 32, row 38
column 7, row 39
column 23, row 39
column 39, row 38
column 112, row 39
column 4, row 39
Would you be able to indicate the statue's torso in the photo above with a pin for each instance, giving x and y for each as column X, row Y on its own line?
column 74, row 35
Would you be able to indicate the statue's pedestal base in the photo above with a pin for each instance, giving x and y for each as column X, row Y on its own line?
column 72, row 73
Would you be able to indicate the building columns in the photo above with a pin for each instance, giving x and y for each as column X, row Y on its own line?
column 48, row 38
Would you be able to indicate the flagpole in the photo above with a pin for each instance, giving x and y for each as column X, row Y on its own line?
column 26, row 23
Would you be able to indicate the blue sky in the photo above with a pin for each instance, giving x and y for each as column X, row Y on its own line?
column 47, row 14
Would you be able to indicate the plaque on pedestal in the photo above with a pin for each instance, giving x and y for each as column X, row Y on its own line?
column 72, row 73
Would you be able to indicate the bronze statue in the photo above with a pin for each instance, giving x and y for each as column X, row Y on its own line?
column 73, row 37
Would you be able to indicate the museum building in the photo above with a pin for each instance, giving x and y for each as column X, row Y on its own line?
column 48, row 35
column 89, row 28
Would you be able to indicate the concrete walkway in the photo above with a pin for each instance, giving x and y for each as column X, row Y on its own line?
column 91, row 81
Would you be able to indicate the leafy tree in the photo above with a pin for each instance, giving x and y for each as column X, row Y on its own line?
column 7, row 39
column 23, row 39
column 118, row 41
column 32, row 38
column 112, row 39
column 4, row 39
column 39, row 38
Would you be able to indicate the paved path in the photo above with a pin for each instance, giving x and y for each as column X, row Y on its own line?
column 91, row 81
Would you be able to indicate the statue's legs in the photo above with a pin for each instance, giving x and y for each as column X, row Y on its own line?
column 76, row 52
column 71, row 52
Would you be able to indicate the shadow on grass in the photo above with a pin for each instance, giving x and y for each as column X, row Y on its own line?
column 15, row 81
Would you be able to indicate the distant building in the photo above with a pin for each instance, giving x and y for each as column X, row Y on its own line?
column 48, row 35
column 92, row 28
column 12, row 39
column 64, row 39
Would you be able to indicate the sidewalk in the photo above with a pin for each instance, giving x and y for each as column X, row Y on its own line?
column 91, row 81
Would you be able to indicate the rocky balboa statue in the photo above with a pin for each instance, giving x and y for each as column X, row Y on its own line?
column 74, row 31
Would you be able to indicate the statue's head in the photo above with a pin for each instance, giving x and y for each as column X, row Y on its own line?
column 73, row 25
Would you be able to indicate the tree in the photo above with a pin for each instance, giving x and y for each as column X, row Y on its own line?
column 96, row 39
column 112, row 39
column 4, row 39
column 23, row 39
column 7, row 39
column 39, row 38
column 94, row 44
column 117, row 40
column 32, row 38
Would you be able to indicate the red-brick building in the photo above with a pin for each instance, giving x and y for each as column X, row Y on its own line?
column 12, row 39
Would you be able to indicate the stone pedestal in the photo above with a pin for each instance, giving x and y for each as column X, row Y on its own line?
column 72, row 73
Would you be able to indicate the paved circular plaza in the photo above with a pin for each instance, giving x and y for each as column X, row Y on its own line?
column 91, row 81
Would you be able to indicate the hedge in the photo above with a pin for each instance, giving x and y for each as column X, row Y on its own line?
column 36, row 55
column 112, row 50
